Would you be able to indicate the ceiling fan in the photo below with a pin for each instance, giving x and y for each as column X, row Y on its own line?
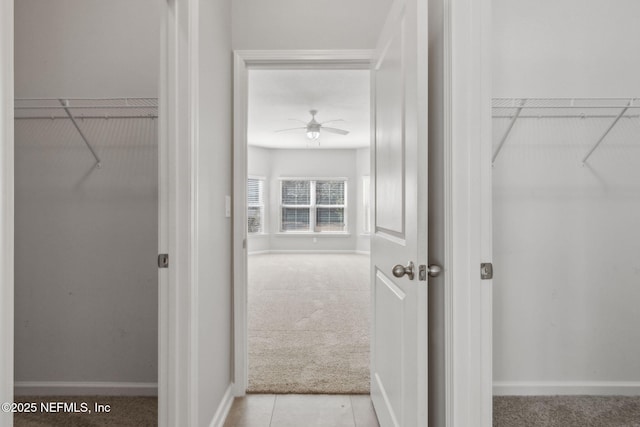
column 313, row 127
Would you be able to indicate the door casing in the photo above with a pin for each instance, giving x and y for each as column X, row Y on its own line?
column 245, row 60
column 467, row 198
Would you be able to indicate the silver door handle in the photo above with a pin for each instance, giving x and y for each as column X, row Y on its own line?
column 432, row 270
column 400, row 270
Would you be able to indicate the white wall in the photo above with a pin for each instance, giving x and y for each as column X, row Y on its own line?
column 566, row 250
column 86, row 240
column 328, row 24
column 567, row 48
column 86, row 277
column 214, row 229
column 276, row 163
column 92, row 48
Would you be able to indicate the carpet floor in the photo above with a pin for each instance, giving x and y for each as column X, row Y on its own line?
column 123, row 412
column 308, row 325
column 566, row 411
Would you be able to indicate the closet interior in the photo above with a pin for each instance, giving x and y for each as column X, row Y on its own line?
column 86, row 238
column 566, row 221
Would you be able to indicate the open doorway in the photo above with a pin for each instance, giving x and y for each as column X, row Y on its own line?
column 308, row 225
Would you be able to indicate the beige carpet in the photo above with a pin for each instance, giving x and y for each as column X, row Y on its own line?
column 124, row 412
column 566, row 411
column 309, row 323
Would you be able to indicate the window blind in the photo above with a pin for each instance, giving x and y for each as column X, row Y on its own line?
column 313, row 205
column 255, row 205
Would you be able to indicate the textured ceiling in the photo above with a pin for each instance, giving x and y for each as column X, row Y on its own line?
column 275, row 96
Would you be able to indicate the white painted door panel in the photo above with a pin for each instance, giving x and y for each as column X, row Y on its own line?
column 399, row 330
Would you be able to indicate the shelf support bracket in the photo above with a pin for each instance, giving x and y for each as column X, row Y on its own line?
column 506, row 134
column 65, row 105
column 606, row 132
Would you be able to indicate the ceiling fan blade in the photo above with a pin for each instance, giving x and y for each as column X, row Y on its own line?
column 334, row 130
column 285, row 130
column 298, row 120
column 335, row 120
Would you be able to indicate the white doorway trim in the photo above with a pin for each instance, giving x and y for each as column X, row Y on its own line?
column 243, row 61
column 178, row 314
column 468, row 353
column 6, row 208
column 468, row 234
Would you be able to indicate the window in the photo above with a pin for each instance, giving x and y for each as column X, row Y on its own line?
column 255, row 205
column 313, row 205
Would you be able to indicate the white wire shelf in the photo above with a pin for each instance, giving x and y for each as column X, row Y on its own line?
column 612, row 110
column 85, row 108
column 78, row 109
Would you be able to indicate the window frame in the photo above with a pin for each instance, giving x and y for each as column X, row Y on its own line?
column 313, row 206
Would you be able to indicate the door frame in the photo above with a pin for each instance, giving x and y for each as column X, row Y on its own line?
column 468, row 222
column 467, row 190
column 177, row 317
column 244, row 60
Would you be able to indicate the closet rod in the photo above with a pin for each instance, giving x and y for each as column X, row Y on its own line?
column 107, row 117
column 506, row 134
column 604, row 135
column 85, row 107
column 64, row 104
column 567, row 107
column 566, row 116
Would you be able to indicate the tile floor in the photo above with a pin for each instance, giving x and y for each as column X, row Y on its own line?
column 297, row 410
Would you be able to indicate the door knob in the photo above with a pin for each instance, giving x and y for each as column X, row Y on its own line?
column 400, row 270
column 432, row 270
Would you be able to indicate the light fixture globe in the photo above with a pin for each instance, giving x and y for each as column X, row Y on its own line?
column 313, row 134
column 313, row 128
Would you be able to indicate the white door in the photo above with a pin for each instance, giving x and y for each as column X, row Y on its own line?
column 399, row 159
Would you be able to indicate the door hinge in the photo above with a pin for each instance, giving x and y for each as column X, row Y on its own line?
column 163, row 261
column 486, row 271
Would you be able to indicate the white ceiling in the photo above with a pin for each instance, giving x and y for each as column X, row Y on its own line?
column 275, row 96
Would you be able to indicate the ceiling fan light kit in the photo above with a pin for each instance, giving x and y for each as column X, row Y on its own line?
column 313, row 134
column 313, row 128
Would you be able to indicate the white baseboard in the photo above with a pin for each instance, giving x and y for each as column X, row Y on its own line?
column 258, row 252
column 553, row 388
column 84, row 388
column 289, row 251
column 223, row 408
column 292, row 251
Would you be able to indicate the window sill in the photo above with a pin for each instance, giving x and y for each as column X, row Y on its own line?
column 316, row 234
